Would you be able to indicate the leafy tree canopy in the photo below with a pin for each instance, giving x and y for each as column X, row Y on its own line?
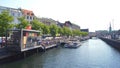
column 60, row 31
column 45, row 29
column 53, row 30
column 67, row 31
column 23, row 23
column 36, row 25
column 5, row 22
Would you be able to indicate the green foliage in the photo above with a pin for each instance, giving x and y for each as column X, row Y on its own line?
column 42, row 27
column 23, row 23
column 76, row 33
column 53, row 30
column 84, row 33
column 79, row 33
column 11, row 25
column 36, row 25
column 60, row 31
column 45, row 29
column 67, row 31
column 5, row 22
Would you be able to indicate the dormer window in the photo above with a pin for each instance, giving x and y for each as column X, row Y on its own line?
column 32, row 14
column 28, row 13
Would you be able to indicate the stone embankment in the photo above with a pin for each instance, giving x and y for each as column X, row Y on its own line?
column 111, row 42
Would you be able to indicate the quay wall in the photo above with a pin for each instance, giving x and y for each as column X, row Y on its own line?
column 111, row 42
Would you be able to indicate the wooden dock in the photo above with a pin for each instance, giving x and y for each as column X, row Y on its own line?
column 7, row 55
column 50, row 46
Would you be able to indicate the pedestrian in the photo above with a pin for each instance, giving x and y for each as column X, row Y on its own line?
column 39, row 42
column 3, row 42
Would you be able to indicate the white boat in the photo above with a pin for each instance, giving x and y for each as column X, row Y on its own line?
column 72, row 45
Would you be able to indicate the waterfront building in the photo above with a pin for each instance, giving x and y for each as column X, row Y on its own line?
column 92, row 34
column 13, row 12
column 47, row 21
column 59, row 24
column 118, row 35
column 102, row 33
column 28, row 14
column 71, row 25
column 17, row 13
column 84, row 30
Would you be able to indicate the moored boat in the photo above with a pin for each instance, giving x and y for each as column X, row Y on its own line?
column 72, row 45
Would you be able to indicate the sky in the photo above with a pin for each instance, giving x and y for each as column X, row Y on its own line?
column 92, row 14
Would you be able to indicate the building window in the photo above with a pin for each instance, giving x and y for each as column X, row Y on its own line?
column 27, row 17
column 28, row 13
column 13, row 14
column 32, row 14
column 18, row 14
column 30, row 17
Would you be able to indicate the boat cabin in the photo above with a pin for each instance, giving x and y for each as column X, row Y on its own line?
column 22, row 39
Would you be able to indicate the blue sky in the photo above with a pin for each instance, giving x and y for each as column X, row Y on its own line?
column 92, row 14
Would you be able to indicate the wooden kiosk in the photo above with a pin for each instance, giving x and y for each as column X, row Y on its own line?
column 22, row 39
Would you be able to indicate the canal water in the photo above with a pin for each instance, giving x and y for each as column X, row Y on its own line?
column 93, row 53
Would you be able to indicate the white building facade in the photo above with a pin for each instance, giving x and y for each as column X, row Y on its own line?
column 28, row 14
column 16, row 13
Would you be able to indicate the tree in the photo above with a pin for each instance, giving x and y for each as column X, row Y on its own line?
column 84, row 33
column 36, row 25
column 45, row 29
column 60, row 31
column 76, row 33
column 23, row 23
column 67, row 31
column 11, row 25
column 5, row 21
column 53, row 30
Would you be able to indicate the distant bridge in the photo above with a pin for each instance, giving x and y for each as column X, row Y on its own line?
column 92, row 34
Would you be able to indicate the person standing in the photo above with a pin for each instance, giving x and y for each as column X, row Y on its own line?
column 3, row 42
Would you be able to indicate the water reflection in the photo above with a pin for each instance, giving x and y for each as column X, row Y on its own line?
column 93, row 53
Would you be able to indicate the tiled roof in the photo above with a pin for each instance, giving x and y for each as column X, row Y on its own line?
column 27, row 12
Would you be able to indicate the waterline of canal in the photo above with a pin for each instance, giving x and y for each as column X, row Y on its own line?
column 93, row 53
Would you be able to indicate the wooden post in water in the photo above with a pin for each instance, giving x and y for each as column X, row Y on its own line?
column 37, row 50
column 24, row 54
